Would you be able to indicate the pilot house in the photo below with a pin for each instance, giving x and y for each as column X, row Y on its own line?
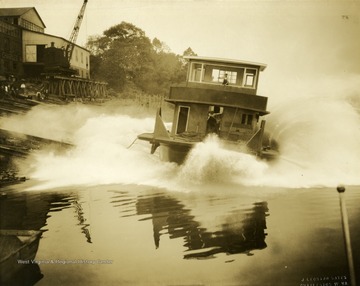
column 218, row 97
column 223, row 91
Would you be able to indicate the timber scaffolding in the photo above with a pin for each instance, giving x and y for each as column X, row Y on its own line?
column 76, row 88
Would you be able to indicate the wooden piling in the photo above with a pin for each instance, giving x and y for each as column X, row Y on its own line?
column 346, row 231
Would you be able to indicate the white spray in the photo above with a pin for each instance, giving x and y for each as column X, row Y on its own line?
column 317, row 131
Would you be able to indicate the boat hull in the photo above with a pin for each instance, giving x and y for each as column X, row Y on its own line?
column 176, row 149
column 178, row 153
column 18, row 250
column 173, row 153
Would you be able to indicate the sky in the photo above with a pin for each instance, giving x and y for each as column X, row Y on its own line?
column 291, row 37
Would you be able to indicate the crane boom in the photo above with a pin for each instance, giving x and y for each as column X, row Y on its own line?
column 75, row 31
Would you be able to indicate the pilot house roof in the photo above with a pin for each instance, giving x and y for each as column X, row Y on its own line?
column 225, row 61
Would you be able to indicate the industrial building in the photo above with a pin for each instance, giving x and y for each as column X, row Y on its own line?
column 27, row 51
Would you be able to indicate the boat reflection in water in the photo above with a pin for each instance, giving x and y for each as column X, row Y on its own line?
column 23, row 218
column 153, row 236
column 18, row 249
column 241, row 231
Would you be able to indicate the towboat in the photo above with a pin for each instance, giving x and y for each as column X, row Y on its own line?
column 218, row 97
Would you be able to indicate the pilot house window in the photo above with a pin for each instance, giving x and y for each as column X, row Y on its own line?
column 215, row 74
column 250, row 77
column 197, row 68
column 219, row 75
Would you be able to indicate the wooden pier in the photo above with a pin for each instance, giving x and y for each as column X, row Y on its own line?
column 77, row 88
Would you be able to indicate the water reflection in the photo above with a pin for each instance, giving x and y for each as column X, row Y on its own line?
column 28, row 275
column 166, row 213
column 82, row 220
column 21, row 210
column 18, row 248
column 9, row 171
column 132, row 225
column 241, row 231
column 25, row 211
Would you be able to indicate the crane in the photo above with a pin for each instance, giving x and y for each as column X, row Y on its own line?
column 75, row 32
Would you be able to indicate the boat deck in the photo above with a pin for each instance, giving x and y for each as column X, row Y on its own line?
column 185, row 139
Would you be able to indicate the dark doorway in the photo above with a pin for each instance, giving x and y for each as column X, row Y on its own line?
column 182, row 119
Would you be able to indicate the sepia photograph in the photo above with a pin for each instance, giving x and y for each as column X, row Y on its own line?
column 180, row 142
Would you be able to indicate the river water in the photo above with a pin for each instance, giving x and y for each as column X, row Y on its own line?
column 113, row 214
column 223, row 235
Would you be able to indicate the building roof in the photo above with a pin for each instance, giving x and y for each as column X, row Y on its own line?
column 4, row 12
column 225, row 61
column 54, row 36
column 14, row 12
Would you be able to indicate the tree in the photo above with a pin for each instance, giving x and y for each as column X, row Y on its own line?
column 189, row 52
column 125, row 55
column 93, row 44
column 124, row 52
column 160, row 47
column 167, row 69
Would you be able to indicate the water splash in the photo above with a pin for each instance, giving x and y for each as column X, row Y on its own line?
column 210, row 162
column 317, row 127
column 318, row 131
column 101, row 156
column 318, row 134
